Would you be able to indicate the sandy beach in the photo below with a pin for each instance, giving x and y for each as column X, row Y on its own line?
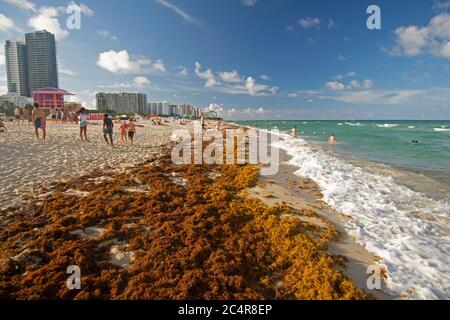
column 141, row 227
column 27, row 167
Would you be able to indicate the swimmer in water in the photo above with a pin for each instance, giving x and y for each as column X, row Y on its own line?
column 332, row 139
column 294, row 132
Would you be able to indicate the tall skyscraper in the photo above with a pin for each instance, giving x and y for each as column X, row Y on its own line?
column 41, row 60
column 16, row 68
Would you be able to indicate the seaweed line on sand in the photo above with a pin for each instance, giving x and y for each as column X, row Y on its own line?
column 162, row 231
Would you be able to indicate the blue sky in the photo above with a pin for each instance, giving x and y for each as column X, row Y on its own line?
column 253, row 59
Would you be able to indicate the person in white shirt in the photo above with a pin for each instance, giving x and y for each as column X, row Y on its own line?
column 83, row 117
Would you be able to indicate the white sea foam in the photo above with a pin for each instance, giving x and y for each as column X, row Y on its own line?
column 406, row 229
column 354, row 124
column 441, row 129
column 387, row 125
column 411, row 127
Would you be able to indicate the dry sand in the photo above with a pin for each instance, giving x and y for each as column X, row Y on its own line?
column 26, row 166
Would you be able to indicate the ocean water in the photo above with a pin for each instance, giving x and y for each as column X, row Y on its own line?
column 395, row 193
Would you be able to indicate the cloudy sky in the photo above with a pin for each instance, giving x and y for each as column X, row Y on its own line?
column 252, row 59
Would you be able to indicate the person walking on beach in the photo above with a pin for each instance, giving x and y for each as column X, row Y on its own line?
column 108, row 126
column 131, row 131
column 332, row 139
column 83, row 124
column 38, row 118
column 17, row 115
column 26, row 115
column 123, row 132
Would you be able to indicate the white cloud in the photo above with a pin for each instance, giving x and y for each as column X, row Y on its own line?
column 187, row 17
column 431, row 39
column 389, row 97
column 290, row 28
column 249, row 3
column 107, row 34
column 22, row 4
column 159, row 66
column 67, row 72
column 6, row 23
column 341, row 57
column 442, row 5
column 349, row 74
column 119, row 62
column 265, row 77
column 334, row 86
column 141, row 82
column 207, row 75
column 309, row 22
column 47, row 19
column 292, row 95
column 352, row 85
column 250, row 85
column 232, row 76
column 332, row 24
column 367, row 84
column 72, row 7
column 233, row 83
column 2, row 57
column 183, row 71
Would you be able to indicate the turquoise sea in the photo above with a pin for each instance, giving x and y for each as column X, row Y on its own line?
column 394, row 194
column 384, row 142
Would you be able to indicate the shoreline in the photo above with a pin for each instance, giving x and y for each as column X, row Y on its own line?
column 302, row 193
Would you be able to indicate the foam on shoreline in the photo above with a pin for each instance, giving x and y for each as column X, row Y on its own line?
column 406, row 229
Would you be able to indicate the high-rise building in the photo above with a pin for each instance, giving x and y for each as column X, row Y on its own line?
column 16, row 68
column 122, row 102
column 41, row 60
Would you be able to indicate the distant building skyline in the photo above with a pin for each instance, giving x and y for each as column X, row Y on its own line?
column 31, row 63
column 121, row 102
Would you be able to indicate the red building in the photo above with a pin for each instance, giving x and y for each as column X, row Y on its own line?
column 50, row 98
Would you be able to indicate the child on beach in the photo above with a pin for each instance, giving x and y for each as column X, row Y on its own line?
column 123, row 132
column 39, row 120
column 108, row 126
column 131, row 131
column 83, row 124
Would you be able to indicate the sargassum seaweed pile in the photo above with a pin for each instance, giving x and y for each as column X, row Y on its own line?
column 181, row 232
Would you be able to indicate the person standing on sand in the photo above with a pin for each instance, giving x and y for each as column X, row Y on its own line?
column 39, row 121
column 123, row 132
column 83, row 124
column 17, row 115
column 26, row 115
column 332, row 139
column 108, row 126
column 131, row 131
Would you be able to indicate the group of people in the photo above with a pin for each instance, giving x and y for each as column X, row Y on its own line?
column 39, row 120
column 127, row 131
